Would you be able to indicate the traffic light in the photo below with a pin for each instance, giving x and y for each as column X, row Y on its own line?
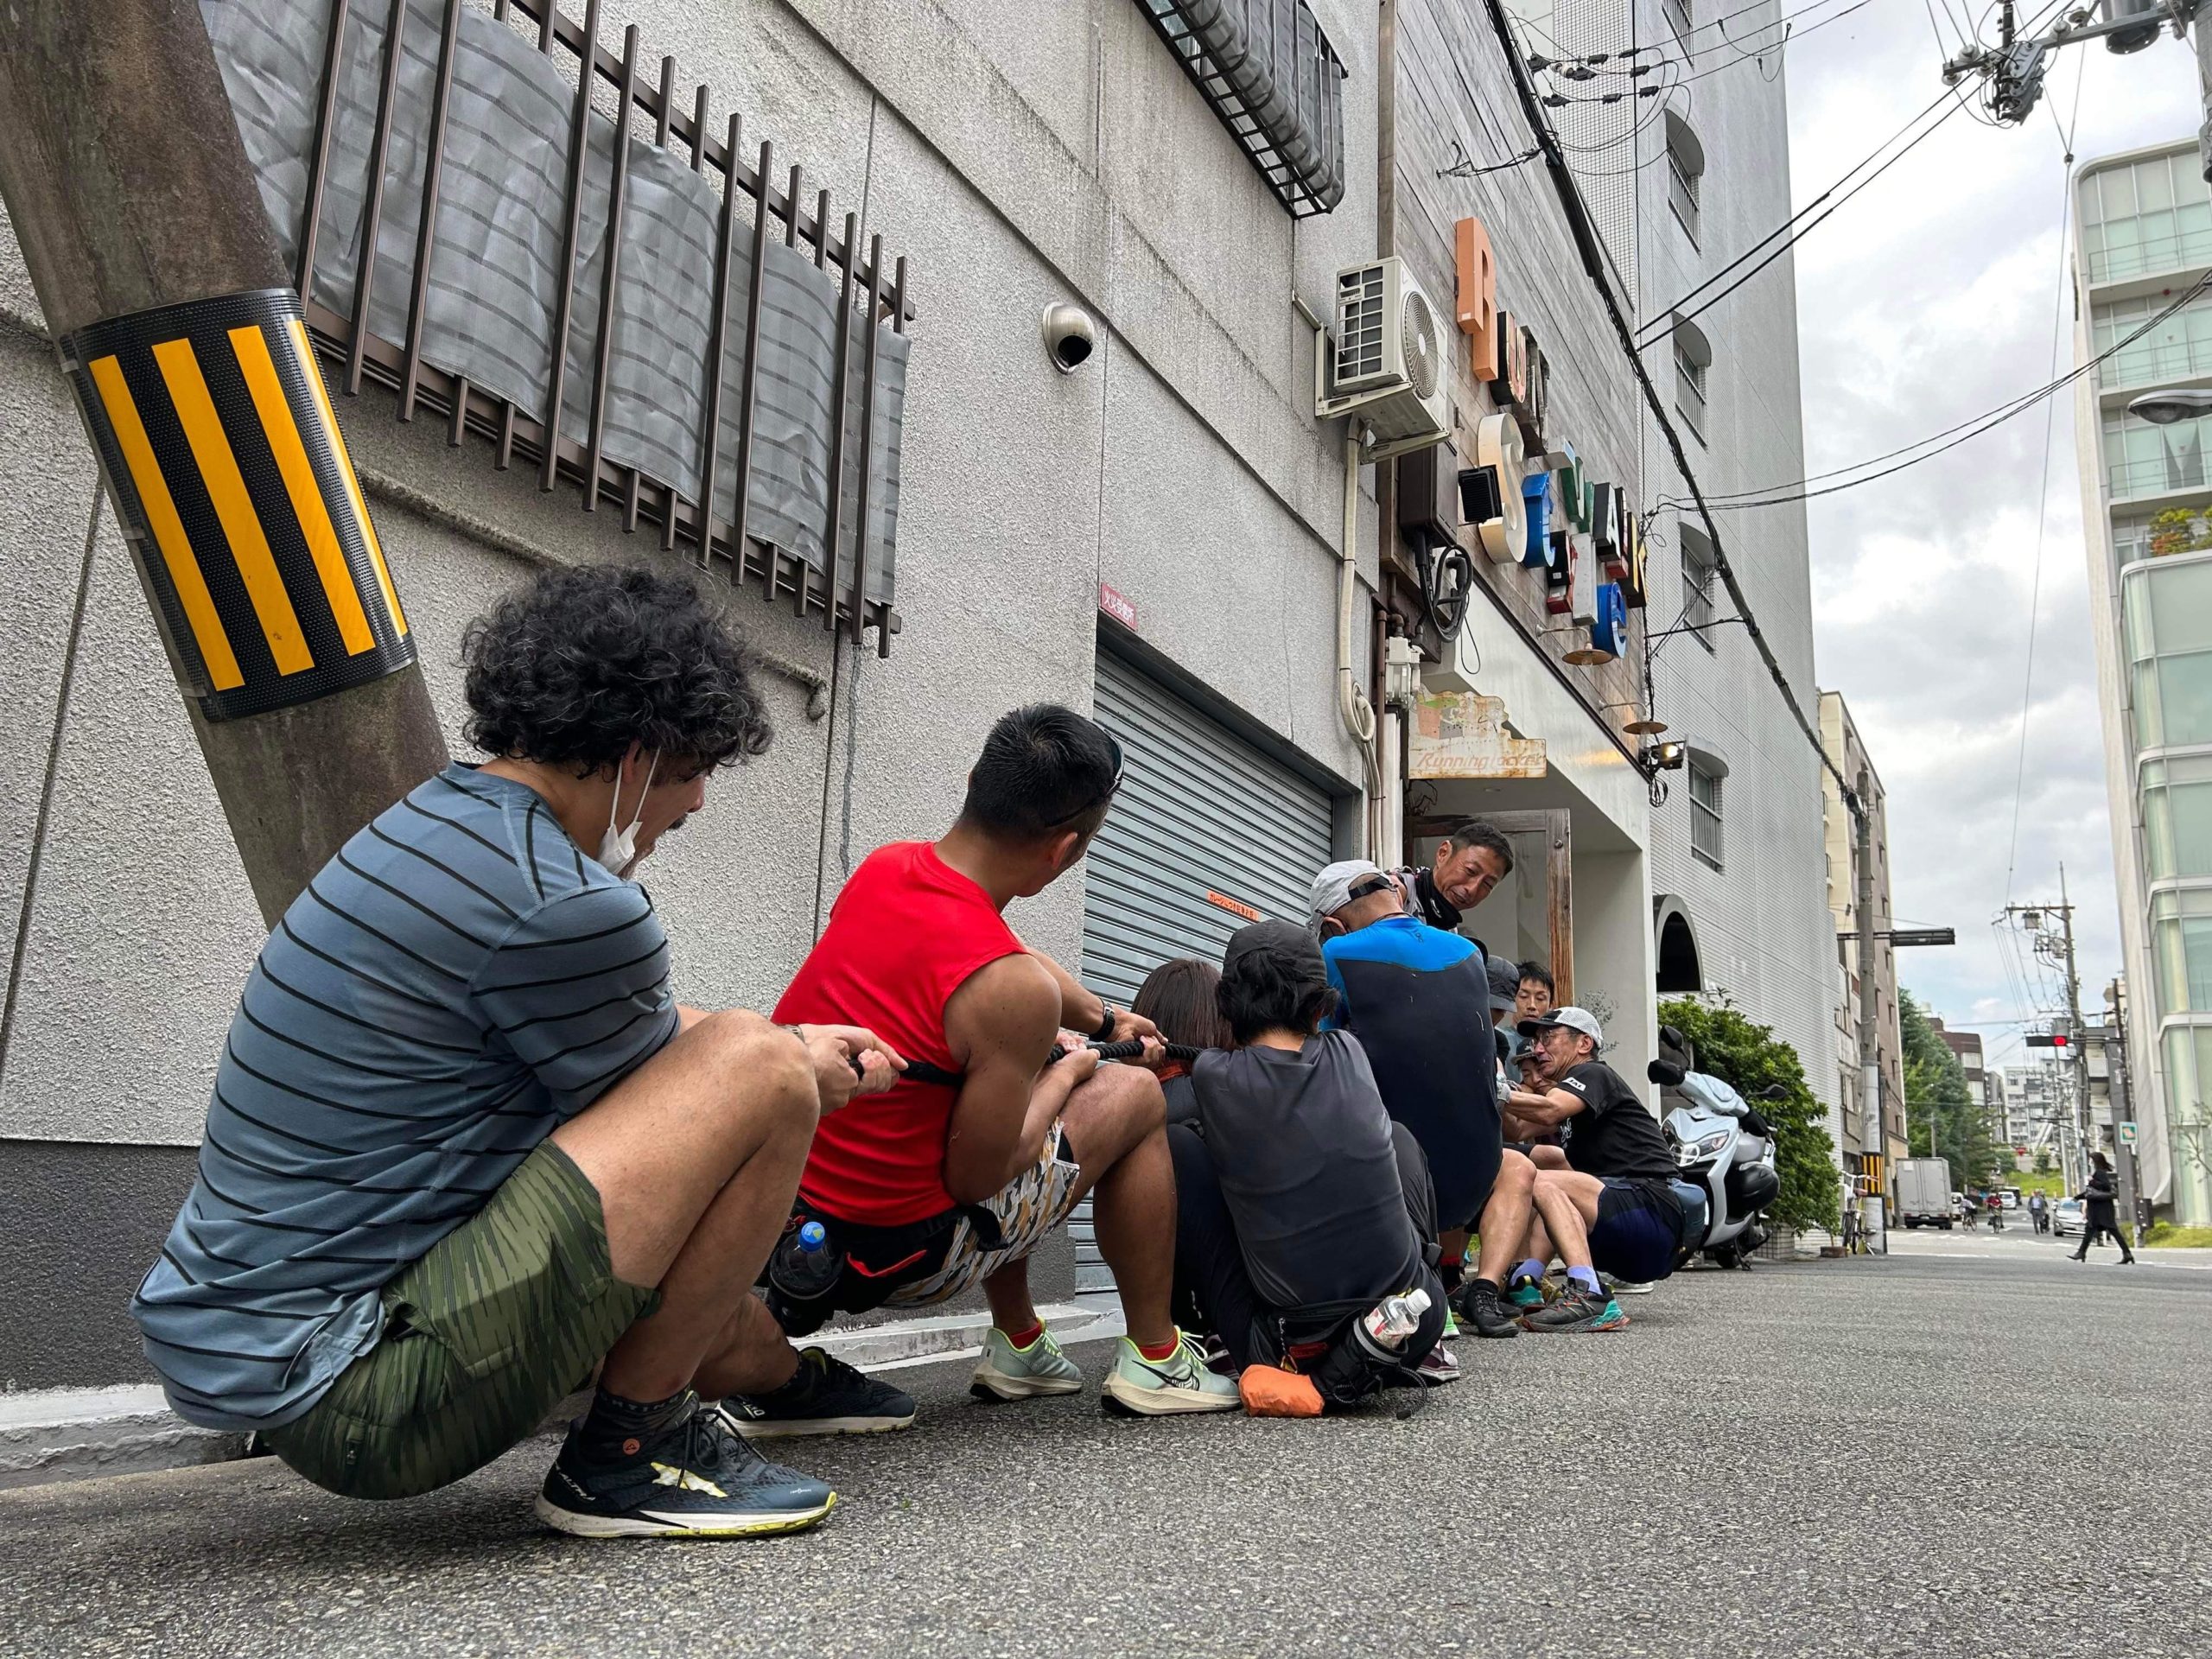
column 2057, row 1039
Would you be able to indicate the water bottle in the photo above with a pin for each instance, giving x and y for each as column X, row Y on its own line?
column 1384, row 1328
column 805, row 1266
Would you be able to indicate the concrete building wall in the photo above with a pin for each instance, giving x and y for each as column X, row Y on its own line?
column 1763, row 921
column 1878, row 978
column 1069, row 158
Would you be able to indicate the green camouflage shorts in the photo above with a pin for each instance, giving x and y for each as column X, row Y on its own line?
column 481, row 1338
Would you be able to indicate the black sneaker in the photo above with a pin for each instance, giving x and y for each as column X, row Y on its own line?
column 696, row 1478
column 824, row 1396
column 1483, row 1305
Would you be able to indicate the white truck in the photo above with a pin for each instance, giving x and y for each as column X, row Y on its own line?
column 1924, row 1193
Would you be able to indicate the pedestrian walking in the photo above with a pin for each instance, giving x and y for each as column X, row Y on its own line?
column 2100, row 1216
column 2039, row 1212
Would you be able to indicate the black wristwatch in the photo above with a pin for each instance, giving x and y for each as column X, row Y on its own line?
column 1105, row 1032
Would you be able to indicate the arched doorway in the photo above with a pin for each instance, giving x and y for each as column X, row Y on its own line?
column 1680, row 972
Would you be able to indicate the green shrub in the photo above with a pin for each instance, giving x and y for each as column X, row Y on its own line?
column 1751, row 1058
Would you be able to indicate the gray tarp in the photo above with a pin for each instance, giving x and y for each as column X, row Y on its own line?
column 490, row 307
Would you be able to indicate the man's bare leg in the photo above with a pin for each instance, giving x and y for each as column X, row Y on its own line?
column 696, row 1156
column 1568, row 1201
column 1118, row 1123
column 1506, row 1219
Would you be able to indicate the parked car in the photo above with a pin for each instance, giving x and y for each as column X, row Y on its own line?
column 2066, row 1218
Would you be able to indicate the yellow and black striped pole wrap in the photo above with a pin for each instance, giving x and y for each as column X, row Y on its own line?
column 224, row 461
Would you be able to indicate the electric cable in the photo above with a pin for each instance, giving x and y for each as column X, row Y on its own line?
column 2042, row 506
column 1780, row 46
column 1782, row 229
column 1658, row 53
column 1988, row 420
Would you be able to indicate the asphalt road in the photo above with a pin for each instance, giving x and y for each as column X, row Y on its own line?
column 1840, row 1459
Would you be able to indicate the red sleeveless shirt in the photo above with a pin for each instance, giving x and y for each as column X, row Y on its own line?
column 906, row 932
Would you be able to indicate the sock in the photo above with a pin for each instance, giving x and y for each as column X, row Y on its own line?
column 613, row 1421
column 1584, row 1278
column 1159, row 1350
column 1531, row 1269
column 1027, row 1335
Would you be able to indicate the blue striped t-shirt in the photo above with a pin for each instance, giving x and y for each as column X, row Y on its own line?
column 457, row 983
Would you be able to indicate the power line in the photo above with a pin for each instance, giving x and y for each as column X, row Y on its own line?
column 1666, row 320
column 1748, row 500
column 1594, row 267
column 1777, row 47
column 2042, row 506
column 1629, row 51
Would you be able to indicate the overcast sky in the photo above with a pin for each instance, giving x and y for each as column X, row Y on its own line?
column 1925, row 299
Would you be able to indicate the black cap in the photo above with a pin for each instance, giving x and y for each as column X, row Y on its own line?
column 1505, row 984
column 1285, row 941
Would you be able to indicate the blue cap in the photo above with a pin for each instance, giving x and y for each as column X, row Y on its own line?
column 812, row 1235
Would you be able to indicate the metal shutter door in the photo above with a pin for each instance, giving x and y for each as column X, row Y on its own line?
column 1201, row 811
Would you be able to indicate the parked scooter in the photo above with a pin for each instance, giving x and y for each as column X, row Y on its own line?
column 1723, row 1149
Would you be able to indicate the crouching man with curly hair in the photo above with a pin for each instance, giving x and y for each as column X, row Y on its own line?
column 464, row 1144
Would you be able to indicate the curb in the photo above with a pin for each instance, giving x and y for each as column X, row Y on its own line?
column 58, row 1434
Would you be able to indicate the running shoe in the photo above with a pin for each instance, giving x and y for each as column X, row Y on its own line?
column 696, row 1478
column 1577, row 1310
column 1438, row 1366
column 1012, row 1373
column 1450, row 1325
column 1485, row 1307
column 824, row 1396
column 1527, row 1293
column 1139, row 1386
column 1623, row 1287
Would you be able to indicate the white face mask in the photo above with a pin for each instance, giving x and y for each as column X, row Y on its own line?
column 617, row 848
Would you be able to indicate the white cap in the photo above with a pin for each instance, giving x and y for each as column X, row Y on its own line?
column 1572, row 1019
column 1332, row 888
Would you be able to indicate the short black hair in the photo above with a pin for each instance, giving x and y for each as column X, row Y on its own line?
column 572, row 669
column 1044, row 769
column 1541, row 974
column 1274, row 978
column 1181, row 997
column 1473, row 832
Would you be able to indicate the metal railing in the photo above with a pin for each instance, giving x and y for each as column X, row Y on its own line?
column 2142, row 363
column 842, row 597
column 2124, row 479
column 2177, row 251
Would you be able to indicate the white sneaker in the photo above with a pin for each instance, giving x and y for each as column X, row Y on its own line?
column 1146, row 1387
column 1438, row 1366
column 1012, row 1373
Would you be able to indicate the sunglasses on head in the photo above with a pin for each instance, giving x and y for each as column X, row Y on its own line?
column 1113, row 787
column 1373, row 884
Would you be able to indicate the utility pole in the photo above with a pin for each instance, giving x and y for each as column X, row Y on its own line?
column 2075, row 1046
column 130, row 194
column 2015, row 67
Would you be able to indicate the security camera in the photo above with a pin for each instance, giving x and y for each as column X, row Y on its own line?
column 1070, row 336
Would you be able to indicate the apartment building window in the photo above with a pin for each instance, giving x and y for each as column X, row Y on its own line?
column 2181, row 949
column 2141, row 459
column 2166, row 608
column 2150, row 214
column 1701, row 576
column 1678, row 19
column 2178, row 817
column 2173, row 349
column 1693, row 357
column 1684, row 168
column 1705, row 814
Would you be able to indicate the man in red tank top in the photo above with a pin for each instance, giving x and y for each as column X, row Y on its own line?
column 956, row 1175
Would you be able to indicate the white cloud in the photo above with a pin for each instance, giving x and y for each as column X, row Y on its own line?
column 1927, row 298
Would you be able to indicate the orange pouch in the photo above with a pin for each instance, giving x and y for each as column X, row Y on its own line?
column 1269, row 1391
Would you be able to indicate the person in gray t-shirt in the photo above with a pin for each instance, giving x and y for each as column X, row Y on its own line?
column 463, row 1138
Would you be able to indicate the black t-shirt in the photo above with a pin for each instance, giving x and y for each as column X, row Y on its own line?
column 1613, row 1135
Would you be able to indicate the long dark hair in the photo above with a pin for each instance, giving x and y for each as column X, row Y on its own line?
column 1178, row 996
column 2101, row 1160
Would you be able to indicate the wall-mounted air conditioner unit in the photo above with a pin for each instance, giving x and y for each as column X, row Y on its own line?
column 1386, row 361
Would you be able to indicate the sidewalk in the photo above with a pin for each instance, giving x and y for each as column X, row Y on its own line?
column 77, row 1434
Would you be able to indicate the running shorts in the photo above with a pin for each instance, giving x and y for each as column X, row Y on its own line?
column 1639, row 1232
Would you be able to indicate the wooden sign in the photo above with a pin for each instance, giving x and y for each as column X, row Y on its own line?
column 1462, row 734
